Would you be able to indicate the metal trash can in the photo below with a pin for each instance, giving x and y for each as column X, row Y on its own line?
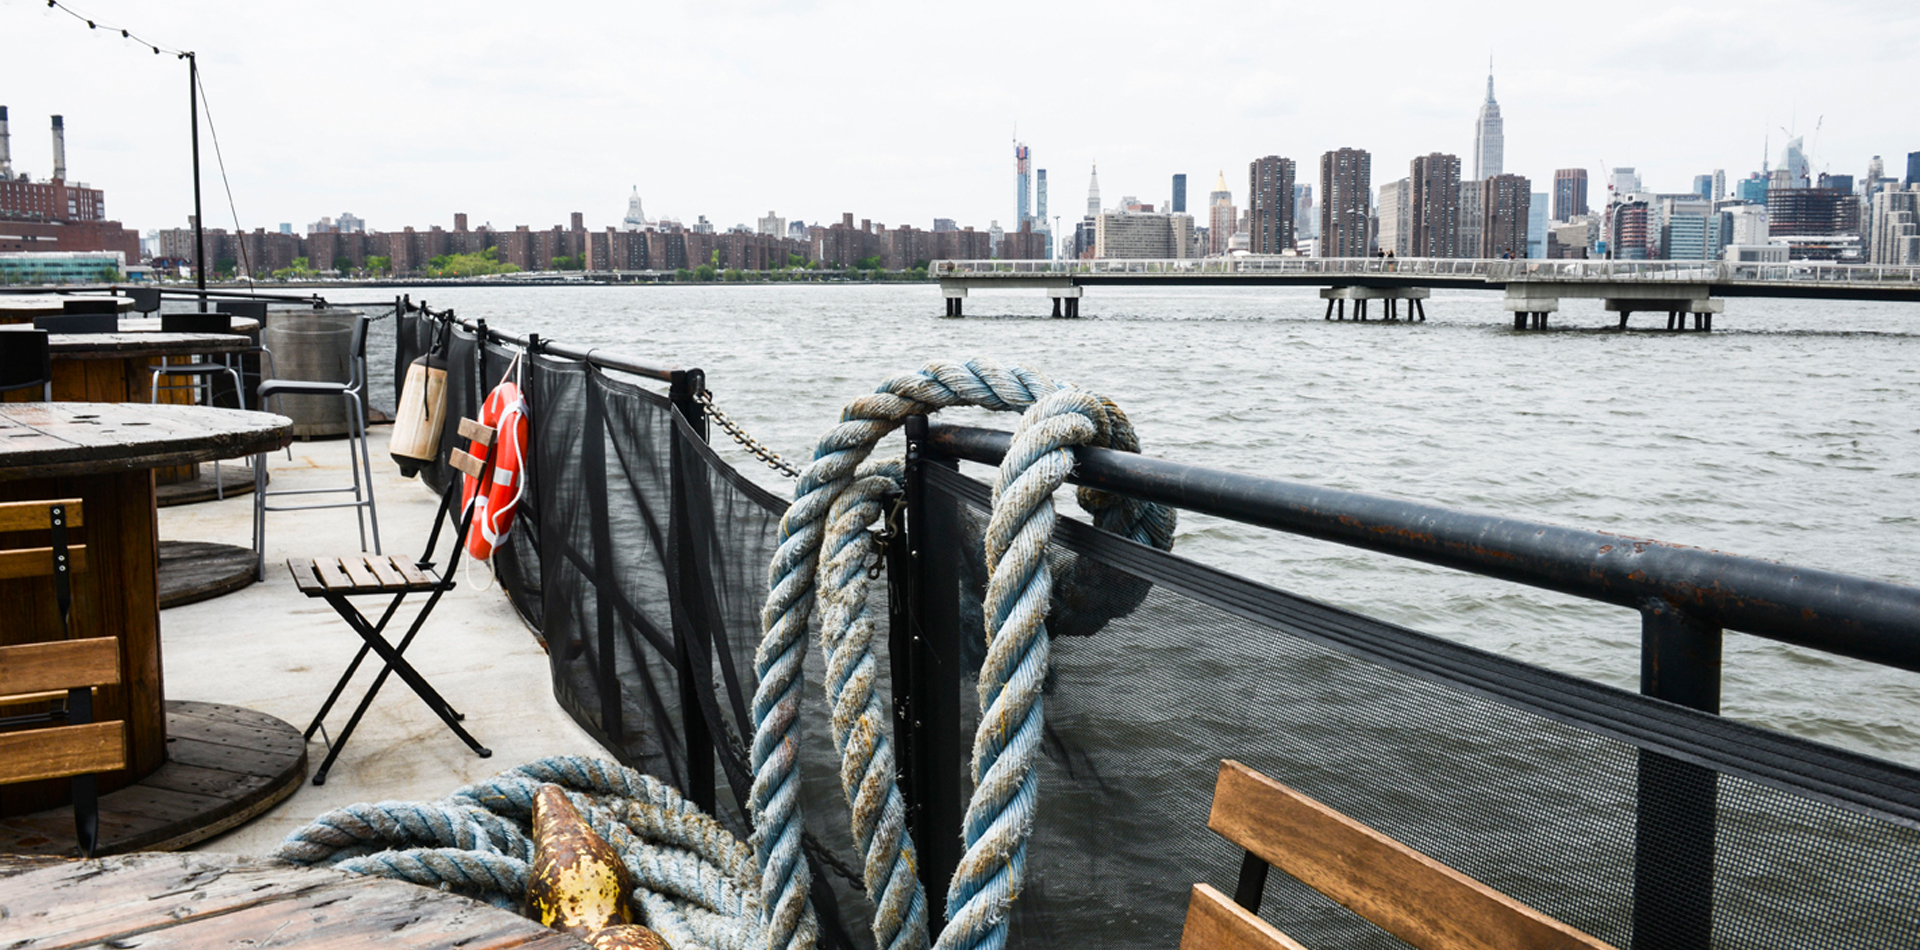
column 312, row 345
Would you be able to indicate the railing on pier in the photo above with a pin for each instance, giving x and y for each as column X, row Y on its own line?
column 1492, row 272
column 1643, row 819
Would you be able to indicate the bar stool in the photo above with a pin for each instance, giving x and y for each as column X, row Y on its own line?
column 198, row 372
column 26, row 360
column 146, row 300
column 360, row 463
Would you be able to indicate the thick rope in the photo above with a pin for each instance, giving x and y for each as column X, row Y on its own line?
column 824, row 537
column 696, row 883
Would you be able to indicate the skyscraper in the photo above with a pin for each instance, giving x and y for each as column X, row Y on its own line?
column 1489, row 138
column 1270, row 199
column 1346, row 198
column 1223, row 219
column 1093, row 192
column 1022, row 163
column 1504, row 200
column 1395, row 218
column 1041, row 224
column 1179, row 194
column 1433, row 206
column 1913, row 169
column 1304, row 218
column 1569, row 193
column 1703, row 186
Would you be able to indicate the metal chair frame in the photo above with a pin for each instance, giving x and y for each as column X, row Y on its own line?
column 361, row 463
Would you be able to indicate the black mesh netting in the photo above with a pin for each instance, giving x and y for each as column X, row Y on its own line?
column 642, row 546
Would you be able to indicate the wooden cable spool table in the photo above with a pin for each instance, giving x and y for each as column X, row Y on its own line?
column 223, row 900
column 104, row 454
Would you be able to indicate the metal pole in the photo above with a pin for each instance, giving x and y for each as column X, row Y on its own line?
column 199, row 219
column 1673, row 857
column 693, row 646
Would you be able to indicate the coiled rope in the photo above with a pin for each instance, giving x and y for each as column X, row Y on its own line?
column 824, row 548
column 696, row 882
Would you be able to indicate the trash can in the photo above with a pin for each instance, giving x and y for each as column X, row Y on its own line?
column 314, row 345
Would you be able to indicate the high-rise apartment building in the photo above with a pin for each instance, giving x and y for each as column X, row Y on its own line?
column 1022, row 171
column 1537, row 226
column 1467, row 237
column 1395, row 221
column 1346, row 198
column 1270, row 199
column 1504, row 200
column 1305, row 221
column 1569, row 193
column 1223, row 219
column 1489, row 136
column 1913, row 169
column 1894, row 236
column 1434, row 206
column 1179, row 194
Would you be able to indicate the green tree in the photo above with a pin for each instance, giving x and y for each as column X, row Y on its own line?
column 795, row 259
column 379, row 264
column 704, row 272
column 343, row 264
column 868, row 263
column 682, row 274
column 466, row 265
column 735, row 274
column 225, row 267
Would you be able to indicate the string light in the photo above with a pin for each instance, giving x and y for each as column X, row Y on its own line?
column 125, row 33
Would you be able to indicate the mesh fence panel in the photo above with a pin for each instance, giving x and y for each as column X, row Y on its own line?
column 1526, row 780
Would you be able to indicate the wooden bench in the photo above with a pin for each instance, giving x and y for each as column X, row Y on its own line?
column 1401, row 891
column 43, row 672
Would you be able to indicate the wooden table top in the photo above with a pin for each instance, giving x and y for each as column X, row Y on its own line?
column 139, row 344
column 200, row 899
column 28, row 306
column 51, row 439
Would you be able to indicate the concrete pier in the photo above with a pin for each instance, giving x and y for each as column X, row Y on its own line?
column 955, row 297
column 1677, row 310
column 1337, row 297
column 1071, row 298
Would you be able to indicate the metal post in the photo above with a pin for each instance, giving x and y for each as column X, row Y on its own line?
column 1674, row 836
column 199, row 219
column 689, row 603
column 924, row 643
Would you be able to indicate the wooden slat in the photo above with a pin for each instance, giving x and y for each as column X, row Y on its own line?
column 382, row 567
column 32, row 515
column 473, row 430
column 465, row 463
column 1404, row 892
column 329, row 571
column 357, row 572
column 1215, row 922
column 63, row 664
column 38, row 562
column 62, row 751
column 305, row 579
column 411, row 572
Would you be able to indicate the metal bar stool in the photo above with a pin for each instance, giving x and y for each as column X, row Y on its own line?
column 199, row 373
column 360, row 462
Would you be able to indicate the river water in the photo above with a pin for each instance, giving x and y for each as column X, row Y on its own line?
column 1792, row 433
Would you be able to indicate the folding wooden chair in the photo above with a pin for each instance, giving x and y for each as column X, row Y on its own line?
column 1409, row 895
column 32, row 672
column 336, row 579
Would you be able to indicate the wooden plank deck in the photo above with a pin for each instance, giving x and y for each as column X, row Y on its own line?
column 218, row 900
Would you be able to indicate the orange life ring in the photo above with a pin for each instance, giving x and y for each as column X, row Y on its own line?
column 505, row 412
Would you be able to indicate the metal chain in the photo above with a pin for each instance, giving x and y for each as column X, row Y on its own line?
column 773, row 459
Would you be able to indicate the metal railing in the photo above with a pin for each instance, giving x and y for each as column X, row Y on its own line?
column 1493, row 272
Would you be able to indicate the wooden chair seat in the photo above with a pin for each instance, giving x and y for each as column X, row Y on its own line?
column 359, row 574
column 1409, row 895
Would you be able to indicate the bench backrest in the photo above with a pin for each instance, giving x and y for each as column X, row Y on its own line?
column 1409, row 895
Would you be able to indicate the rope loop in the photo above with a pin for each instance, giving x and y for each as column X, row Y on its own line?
column 821, row 566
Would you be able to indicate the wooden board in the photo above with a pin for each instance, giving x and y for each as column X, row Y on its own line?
column 29, row 755
column 120, row 346
column 219, row 900
column 225, row 765
column 62, row 664
column 193, row 571
column 38, row 562
column 1402, row 891
column 1215, row 922
column 36, row 515
column 44, row 440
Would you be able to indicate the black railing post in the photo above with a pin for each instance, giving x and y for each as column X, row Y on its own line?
column 924, row 644
column 1674, row 836
column 689, row 600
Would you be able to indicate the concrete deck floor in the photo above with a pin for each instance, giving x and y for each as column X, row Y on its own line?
column 269, row 648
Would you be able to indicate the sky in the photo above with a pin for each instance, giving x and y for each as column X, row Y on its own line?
column 520, row 113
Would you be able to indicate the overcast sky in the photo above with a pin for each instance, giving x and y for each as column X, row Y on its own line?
column 519, row 113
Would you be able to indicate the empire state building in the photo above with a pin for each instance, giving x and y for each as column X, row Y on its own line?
column 1489, row 142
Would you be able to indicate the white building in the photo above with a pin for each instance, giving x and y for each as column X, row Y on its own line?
column 773, row 224
column 1143, row 235
column 1396, row 218
column 1489, row 137
column 1894, row 237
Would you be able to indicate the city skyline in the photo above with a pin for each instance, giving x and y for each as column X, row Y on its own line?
column 515, row 118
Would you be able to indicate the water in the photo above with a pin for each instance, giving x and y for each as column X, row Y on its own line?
column 1792, row 433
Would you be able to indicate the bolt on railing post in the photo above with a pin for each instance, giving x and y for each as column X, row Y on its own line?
column 1674, row 834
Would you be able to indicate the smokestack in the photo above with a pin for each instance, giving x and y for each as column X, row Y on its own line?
column 6, row 148
column 59, row 149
